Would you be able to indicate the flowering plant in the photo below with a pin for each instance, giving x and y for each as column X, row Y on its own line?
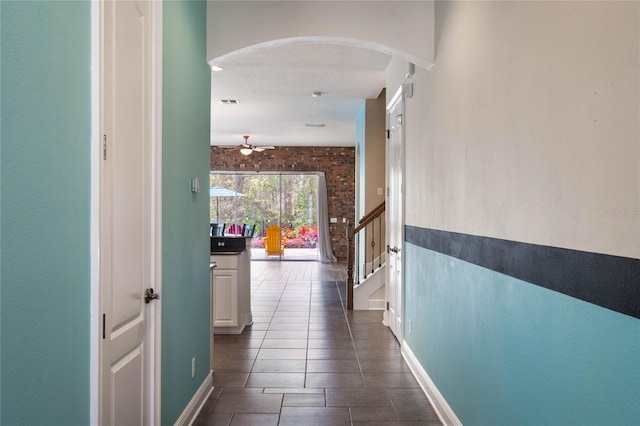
column 303, row 237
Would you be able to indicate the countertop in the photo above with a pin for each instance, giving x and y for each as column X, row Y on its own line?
column 227, row 253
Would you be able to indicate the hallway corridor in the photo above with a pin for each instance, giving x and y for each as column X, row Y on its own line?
column 307, row 362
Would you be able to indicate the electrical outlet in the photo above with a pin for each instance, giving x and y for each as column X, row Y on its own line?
column 409, row 326
column 193, row 368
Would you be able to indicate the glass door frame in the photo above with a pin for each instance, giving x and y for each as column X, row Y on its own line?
column 242, row 174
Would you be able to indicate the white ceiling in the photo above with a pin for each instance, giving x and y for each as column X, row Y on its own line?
column 273, row 86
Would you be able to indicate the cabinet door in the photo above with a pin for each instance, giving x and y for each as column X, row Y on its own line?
column 225, row 298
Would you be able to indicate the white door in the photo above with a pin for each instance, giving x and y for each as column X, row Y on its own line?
column 127, row 255
column 394, row 214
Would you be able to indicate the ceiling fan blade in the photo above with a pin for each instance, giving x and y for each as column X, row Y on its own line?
column 262, row 148
column 227, row 146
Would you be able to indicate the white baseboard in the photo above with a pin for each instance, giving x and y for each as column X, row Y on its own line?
column 229, row 330
column 377, row 305
column 248, row 321
column 194, row 406
column 444, row 411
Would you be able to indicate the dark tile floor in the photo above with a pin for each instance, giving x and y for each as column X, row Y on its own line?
column 305, row 361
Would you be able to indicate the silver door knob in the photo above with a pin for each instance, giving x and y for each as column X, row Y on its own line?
column 150, row 295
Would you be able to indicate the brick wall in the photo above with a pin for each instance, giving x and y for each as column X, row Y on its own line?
column 338, row 164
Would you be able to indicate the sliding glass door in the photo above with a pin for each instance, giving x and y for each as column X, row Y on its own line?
column 281, row 208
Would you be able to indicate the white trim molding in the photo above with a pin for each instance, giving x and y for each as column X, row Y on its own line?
column 95, row 164
column 444, row 411
column 198, row 400
column 338, row 41
column 155, row 398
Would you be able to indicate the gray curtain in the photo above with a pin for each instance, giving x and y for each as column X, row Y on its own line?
column 324, row 242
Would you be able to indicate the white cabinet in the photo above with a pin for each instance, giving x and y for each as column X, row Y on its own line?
column 231, row 292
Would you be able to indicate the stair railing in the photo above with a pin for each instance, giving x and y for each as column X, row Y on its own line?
column 363, row 245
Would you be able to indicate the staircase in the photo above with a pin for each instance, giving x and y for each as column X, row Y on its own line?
column 366, row 272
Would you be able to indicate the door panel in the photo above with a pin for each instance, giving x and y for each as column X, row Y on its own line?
column 226, row 298
column 126, row 212
column 126, row 374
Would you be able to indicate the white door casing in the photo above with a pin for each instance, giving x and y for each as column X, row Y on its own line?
column 394, row 214
column 129, row 212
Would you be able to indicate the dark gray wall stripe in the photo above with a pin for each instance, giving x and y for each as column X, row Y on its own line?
column 612, row 282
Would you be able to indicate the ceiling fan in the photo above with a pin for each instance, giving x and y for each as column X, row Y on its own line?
column 246, row 148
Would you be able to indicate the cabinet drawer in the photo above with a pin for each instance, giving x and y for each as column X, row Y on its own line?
column 226, row 261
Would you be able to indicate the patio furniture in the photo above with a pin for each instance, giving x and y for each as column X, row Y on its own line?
column 216, row 229
column 234, row 230
column 248, row 230
column 273, row 241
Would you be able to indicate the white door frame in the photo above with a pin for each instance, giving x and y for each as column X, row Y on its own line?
column 405, row 91
column 154, row 323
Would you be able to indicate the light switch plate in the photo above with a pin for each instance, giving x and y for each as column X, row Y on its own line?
column 195, row 185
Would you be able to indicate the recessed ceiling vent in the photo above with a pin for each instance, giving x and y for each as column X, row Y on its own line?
column 229, row 101
column 314, row 125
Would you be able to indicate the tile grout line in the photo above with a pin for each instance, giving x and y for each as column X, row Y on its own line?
column 353, row 343
column 306, row 356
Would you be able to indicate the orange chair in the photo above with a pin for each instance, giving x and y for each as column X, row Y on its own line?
column 273, row 241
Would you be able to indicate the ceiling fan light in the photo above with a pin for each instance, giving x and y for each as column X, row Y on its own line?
column 246, row 151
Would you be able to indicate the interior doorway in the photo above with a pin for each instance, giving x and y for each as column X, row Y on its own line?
column 280, row 209
column 395, row 213
column 127, row 212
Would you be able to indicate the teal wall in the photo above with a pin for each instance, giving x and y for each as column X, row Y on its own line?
column 45, row 201
column 44, row 212
column 504, row 352
column 185, row 146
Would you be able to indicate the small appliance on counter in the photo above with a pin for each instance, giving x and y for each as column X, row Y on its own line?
column 228, row 244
